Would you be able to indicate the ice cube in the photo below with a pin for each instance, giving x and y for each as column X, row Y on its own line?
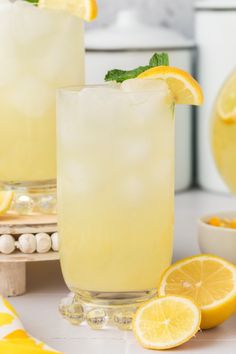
column 135, row 151
column 99, row 97
column 136, row 85
column 132, row 189
column 140, row 91
column 63, row 62
column 79, row 176
column 9, row 62
column 32, row 23
column 162, row 171
column 31, row 97
column 94, row 108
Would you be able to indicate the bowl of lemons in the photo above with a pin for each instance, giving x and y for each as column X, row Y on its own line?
column 217, row 235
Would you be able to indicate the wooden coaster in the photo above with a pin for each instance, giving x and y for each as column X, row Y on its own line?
column 13, row 266
column 16, row 224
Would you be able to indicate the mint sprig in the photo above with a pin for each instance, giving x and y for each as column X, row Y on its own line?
column 122, row 75
column 35, row 2
column 159, row 59
column 118, row 75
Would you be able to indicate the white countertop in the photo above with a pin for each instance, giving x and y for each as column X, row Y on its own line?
column 38, row 307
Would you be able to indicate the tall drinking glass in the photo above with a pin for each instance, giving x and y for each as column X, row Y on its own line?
column 40, row 50
column 115, row 198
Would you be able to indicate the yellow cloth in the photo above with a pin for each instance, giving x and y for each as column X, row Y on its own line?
column 13, row 337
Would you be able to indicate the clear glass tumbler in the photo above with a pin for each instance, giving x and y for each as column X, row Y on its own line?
column 115, row 199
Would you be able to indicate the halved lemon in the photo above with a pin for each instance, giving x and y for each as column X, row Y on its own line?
column 5, row 201
column 209, row 280
column 185, row 89
column 84, row 9
column 226, row 104
column 166, row 322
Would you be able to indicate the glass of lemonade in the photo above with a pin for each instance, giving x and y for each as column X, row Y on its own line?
column 40, row 50
column 115, row 198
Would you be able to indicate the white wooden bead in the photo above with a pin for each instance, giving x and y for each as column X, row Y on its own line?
column 55, row 241
column 7, row 244
column 43, row 242
column 26, row 243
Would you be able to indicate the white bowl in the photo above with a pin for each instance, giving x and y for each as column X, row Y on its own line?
column 220, row 241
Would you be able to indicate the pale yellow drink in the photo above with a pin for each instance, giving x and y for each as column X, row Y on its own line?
column 40, row 50
column 223, row 132
column 115, row 187
column 224, row 149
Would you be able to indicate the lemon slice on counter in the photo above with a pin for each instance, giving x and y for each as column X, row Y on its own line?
column 185, row 89
column 209, row 280
column 84, row 9
column 166, row 322
column 5, row 201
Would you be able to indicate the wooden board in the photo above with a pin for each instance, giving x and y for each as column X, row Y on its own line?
column 19, row 224
column 13, row 266
column 18, row 256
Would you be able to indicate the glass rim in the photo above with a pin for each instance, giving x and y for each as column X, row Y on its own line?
column 75, row 89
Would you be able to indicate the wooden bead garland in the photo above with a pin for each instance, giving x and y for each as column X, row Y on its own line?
column 29, row 243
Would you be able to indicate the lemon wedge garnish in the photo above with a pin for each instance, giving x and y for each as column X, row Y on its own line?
column 166, row 322
column 84, row 9
column 209, row 280
column 184, row 88
column 226, row 103
column 5, row 201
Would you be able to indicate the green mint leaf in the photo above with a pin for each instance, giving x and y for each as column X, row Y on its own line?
column 121, row 75
column 33, row 1
column 159, row 59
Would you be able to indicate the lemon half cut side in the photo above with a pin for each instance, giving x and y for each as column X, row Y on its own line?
column 166, row 322
column 207, row 279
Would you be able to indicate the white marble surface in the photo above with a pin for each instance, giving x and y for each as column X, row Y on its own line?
column 38, row 308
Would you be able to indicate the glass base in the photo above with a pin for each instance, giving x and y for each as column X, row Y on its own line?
column 100, row 310
column 31, row 198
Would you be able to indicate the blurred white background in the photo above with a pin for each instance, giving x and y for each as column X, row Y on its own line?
column 176, row 14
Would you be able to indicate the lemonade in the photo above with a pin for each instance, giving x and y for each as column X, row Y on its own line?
column 40, row 50
column 115, row 187
column 224, row 149
column 223, row 132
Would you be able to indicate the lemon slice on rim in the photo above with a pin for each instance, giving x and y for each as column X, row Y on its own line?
column 185, row 89
column 226, row 103
column 5, row 201
column 166, row 322
column 209, row 280
column 84, row 9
